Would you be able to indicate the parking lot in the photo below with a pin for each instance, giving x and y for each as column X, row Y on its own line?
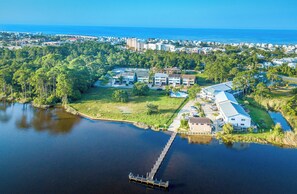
column 211, row 113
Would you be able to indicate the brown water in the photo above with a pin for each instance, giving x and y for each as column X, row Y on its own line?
column 54, row 152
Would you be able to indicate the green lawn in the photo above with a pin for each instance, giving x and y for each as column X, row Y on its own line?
column 98, row 103
column 258, row 114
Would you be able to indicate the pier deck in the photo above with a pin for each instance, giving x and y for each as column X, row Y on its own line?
column 149, row 179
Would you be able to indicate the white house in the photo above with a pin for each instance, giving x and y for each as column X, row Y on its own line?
column 174, row 79
column 211, row 91
column 189, row 80
column 200, row 125
column 128, row 77
column 224, row 97
column 142, row 75
column 233, row 113
column 161, row 79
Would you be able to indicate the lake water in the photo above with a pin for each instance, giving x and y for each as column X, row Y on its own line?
column 277, row 117
column 217, row 35
column 54, row 152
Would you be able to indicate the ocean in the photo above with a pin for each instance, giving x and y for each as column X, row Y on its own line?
column 214, row 35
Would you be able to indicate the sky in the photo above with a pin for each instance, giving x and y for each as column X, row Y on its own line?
column 225, row 14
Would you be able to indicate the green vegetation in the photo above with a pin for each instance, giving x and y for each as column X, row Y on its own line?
column 98, row 103
column 152, row 108
column 120, row 96
column 140, row 89
column 228, row 128
column 184, row 124
column 193, row 91
column 258, row 113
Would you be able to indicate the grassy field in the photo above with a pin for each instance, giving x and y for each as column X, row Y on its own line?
column 279, row 97
column 98, row 103
column 258, row 114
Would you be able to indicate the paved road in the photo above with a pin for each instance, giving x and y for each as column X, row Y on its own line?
column 285, row 78
column 176, row 122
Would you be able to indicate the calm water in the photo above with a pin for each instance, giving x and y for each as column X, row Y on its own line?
column 54, row 152
column 277, row 117
column 218, row 35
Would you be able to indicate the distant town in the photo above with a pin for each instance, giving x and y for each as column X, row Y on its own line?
column 19, row 40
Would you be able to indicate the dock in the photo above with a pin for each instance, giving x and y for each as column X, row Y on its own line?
column 149, row 179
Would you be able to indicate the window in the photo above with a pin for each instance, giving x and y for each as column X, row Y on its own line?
column 242, row 124
column 233, row 119
column 242, row 119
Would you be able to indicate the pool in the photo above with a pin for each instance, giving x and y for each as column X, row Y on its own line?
column 178, row 95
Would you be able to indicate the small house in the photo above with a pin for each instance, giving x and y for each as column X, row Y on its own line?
column 174, row 79
column 200, row 125
column 161, row 79
column 189, row 80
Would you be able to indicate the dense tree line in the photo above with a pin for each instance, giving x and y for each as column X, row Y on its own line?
column 58, row 74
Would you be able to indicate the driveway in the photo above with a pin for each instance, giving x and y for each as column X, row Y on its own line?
column 209, row 113
column 176, row 122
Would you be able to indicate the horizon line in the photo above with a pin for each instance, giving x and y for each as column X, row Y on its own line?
column 151, row 27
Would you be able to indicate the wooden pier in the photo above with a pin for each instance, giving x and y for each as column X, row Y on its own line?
column 149, row 178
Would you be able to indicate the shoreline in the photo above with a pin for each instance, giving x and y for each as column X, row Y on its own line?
column 73, row 111
column 225, row 138
column 7, row 28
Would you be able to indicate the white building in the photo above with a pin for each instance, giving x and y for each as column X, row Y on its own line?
column 199, row 125
column 189, row 80
column 211, row 91
column 142, row 75
column 161, row 79
column 223, row 97
column 231, row 111
column 174, row 79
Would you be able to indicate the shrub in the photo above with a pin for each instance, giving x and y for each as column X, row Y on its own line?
column 152, row 108
column 228, row 128
column 120, row 96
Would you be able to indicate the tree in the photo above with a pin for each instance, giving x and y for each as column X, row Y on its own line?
column 294, row 91
column 140, row 89
column 64, row 87
column 120, row 96
column 244, row 81
column 261, row 90
column 228, row 128
column 193, row 91
column 152, row 108
column 277, row 130
column 184, row 123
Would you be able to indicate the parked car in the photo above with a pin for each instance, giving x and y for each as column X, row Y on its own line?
column 193, row 108
column 214, row 108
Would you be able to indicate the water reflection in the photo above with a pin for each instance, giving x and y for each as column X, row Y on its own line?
column 4, row 115
column 199, row 139
column 207, row 139
column 54, row 121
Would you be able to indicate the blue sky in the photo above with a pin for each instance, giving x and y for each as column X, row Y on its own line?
column 234, row 14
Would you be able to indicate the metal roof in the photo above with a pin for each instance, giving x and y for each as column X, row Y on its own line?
column 225, row 96
column 231, row 109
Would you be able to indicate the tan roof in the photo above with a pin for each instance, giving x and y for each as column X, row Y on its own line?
column 200, row 120
column 189, row 76
column 175, row 75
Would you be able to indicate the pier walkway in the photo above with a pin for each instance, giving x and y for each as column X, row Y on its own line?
column 149, row 179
